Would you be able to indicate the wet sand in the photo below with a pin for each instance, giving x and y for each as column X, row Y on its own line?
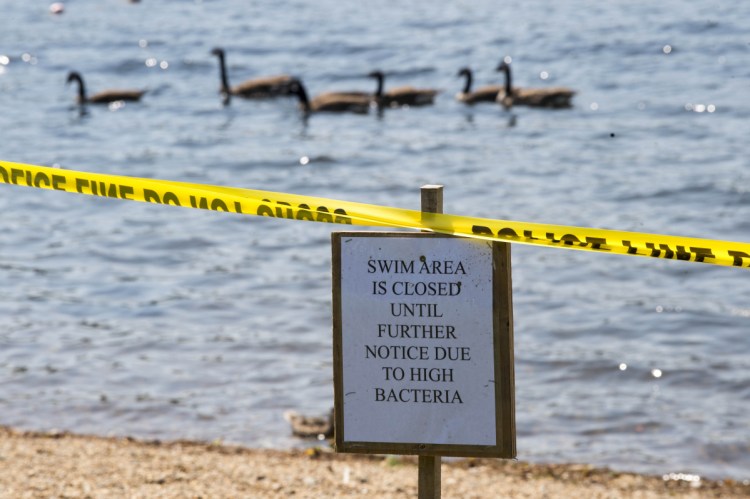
column 64, row 465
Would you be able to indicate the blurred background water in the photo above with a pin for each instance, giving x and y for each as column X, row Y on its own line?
column 156, row 322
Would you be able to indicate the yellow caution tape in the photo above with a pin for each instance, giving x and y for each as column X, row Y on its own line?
column 314, row 209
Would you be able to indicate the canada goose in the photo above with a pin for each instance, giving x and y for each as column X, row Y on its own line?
column 331, row 101
column 257, row 88
column 401, row 96
column 348, row 93
column 310, row 426
column 553, row 97
column 483, row 94
column 104, row 97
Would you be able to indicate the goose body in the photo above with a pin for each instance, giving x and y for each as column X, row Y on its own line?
column 256, row 88
column 483, row 94
column 104, row 97
column 332, row 102
column 552, row 97
column 401, row 96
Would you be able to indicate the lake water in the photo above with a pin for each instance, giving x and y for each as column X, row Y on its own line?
column 132, row 319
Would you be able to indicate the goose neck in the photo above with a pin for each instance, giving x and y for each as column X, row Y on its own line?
column 379, row 91
column 223, row 72
column 302, row 94
column 81, row 87
column 467, row 83
column 508, row 82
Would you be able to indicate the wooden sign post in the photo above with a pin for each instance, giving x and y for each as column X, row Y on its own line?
column 429, row 471
column 423, row 347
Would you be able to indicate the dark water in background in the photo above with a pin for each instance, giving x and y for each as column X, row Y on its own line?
column 129, row 319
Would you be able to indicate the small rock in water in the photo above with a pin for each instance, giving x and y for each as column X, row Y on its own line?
column 320, row 427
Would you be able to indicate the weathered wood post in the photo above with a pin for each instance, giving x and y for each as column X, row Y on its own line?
column 429, row 466
column 428, row 486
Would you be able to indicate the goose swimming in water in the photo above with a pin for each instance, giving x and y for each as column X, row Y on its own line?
column 483, row 94
column 257, row 88
column 104, row 97
column 331, row 102
column 401, row 96
column 553, row 97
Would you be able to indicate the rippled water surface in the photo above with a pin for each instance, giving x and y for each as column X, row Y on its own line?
column 133, row 319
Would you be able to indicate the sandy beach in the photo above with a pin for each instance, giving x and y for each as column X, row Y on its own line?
column 64, row 465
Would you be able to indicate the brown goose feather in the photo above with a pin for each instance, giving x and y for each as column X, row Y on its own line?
column 266, row 86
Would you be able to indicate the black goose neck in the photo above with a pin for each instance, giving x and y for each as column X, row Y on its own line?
column 75, row 76
column 505, row 68
column 378, row 75
column 222, row 71
column 299, row 89
column 467, row 84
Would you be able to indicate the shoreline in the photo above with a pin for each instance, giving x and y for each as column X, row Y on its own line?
column 63, row 464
